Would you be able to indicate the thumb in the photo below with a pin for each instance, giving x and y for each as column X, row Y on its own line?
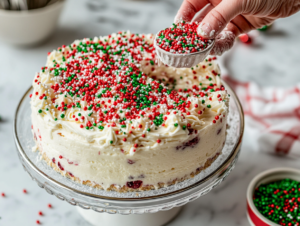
column 217, row 19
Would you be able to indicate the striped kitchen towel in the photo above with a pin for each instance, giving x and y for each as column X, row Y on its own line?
column 272, row 115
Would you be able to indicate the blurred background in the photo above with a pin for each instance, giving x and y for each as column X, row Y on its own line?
column 271, row 59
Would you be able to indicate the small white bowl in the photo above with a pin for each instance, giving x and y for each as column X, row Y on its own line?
column 254, row 216
column 182, row 60
column 29, row 27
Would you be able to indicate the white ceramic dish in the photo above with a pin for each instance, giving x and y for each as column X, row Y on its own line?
column 182, row 60
column 29, row 27
column 254, row 216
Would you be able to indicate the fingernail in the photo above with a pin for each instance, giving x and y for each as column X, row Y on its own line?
column 205, row 30
column 178, row 18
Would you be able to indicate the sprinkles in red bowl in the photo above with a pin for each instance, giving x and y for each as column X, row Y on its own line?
column 279, row 201
column 273, row 198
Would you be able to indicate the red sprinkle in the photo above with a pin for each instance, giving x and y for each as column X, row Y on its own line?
column 244, row 38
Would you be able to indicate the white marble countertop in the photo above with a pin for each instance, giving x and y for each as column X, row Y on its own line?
column 273, row 59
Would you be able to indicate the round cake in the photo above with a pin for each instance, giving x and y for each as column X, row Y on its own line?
column 108, row 114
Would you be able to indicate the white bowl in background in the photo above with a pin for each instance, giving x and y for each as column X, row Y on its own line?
column 254, row 216
column 29, row 27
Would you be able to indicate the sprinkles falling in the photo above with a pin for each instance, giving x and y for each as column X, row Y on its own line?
column 182, row 38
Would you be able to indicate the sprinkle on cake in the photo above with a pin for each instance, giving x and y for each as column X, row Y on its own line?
column 112, row 91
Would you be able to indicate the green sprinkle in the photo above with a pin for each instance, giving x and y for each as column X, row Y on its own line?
column 264, row 28
column 274, row 201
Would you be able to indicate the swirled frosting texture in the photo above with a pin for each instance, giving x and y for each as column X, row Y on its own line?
column 108, row 104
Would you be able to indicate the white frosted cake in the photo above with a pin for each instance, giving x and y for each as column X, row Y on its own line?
column 108, row 114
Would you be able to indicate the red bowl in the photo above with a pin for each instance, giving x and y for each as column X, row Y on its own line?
column 254, row 216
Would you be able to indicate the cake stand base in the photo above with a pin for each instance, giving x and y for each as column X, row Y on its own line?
column 148, row 219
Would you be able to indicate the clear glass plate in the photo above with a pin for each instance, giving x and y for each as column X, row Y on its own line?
column 131, row 202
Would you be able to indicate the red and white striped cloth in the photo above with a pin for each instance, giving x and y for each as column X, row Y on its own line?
column 272, row 115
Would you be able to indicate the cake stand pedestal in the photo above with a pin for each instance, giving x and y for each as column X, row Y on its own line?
column 147, row 208
column 146, row 219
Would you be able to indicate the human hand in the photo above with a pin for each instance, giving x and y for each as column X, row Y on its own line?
column 223, row 20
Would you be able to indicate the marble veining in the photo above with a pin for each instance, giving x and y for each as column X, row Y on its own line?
column 271, row 60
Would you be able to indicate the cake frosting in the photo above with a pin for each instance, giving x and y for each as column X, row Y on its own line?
column 107, row 113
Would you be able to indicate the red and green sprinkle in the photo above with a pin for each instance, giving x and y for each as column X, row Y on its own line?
column 182, row 38
column 279, row 201
column 105, row 74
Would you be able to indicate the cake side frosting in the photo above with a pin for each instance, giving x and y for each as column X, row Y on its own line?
column 106, row 111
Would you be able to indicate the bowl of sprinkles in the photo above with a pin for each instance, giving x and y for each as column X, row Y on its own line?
column 273, row 198
column 180, row 46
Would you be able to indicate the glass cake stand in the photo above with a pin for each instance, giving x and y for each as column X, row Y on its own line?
column 151, row 208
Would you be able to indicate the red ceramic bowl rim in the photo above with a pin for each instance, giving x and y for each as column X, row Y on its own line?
column 255, row 182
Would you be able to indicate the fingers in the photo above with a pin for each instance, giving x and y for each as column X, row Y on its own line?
column 217, row 19
column 225, row 40
column 200, row 16
column 258, row 22
column 188, row 10
column 240, row 25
